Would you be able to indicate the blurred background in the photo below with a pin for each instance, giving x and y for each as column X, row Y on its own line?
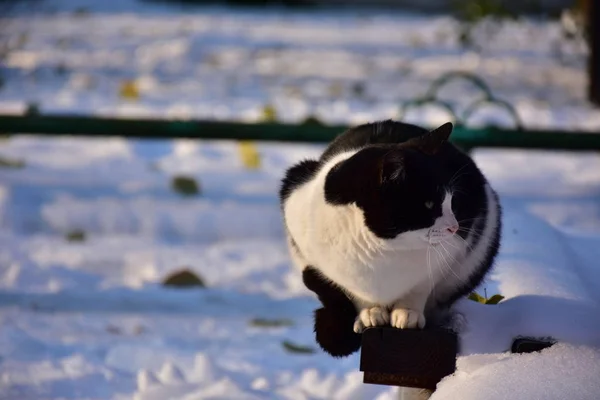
column 341, row 62
column 92, row 229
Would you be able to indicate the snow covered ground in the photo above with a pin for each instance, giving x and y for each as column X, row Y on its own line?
column 89, row 319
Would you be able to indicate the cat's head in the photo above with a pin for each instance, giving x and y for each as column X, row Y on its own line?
column 403, row 189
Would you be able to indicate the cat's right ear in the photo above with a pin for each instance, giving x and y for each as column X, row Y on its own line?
column 441, row 134
column 431, row 142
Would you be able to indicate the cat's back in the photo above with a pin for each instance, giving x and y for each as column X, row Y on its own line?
column 354, row 139
column 383, row 132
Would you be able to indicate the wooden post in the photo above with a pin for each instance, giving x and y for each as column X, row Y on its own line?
column 409, row 358
column 593, row 15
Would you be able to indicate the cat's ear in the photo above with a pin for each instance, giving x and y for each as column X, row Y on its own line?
column 391, row 167
column 442, row 133
column 431, row 142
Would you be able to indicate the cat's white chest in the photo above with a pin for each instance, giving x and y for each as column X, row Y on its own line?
column 383, row 279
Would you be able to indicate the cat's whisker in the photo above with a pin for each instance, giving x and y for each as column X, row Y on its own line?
column 483, row 210
column 450, row 259
column 442, row 258
column 469, row 219
column 470, row 235
column 436, row 261
column 454, row 245
column 459, row 174
column 470, row 232
column 454, row 261
column 455, row 190
column 456, row 175
column 429, row 270
column 465, row 228
column 450, row 267
column 469, row 246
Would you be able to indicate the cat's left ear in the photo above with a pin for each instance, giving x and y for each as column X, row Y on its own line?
column 431, row 142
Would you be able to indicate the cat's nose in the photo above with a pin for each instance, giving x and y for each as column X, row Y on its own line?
column 452, row 229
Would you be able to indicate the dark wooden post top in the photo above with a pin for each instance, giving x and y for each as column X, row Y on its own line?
column 408, row 357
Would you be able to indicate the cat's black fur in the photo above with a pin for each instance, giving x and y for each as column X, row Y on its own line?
column 333, row 321
column 296, row 176
column 396, row 155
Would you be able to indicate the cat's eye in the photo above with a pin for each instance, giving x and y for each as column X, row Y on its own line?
column 429, row 204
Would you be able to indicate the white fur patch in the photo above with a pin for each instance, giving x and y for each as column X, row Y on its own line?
column 405, row 318
column 446, row 225
column 369, row 317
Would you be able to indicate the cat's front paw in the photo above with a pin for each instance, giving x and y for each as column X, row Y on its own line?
column 406, row 318
column 370, row 317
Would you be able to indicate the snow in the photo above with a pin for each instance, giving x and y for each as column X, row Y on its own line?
column 561, row 372
column 90, row 320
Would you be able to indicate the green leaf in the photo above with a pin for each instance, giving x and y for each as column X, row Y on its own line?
column 128, row 90
column 271, row 323
column 296, row 348
column 269, row 114
column 33, row 109
column 495, row 299
column 185, row 185
column 184, row 278
column 8, row 163
column 76, row 235
column 249, row 154
column 312, row 120
column 476, row 297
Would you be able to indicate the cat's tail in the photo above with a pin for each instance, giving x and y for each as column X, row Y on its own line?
column 334, row 331
column 334, row 322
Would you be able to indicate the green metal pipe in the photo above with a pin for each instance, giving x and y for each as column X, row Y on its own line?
column 165, row 128
column 467, row 138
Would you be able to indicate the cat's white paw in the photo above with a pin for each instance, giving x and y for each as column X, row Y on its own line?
column 406, row 318
column 370, row 317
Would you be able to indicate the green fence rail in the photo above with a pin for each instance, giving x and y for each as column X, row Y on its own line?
column 467, row 138
column 313, row 131
column 486, row 98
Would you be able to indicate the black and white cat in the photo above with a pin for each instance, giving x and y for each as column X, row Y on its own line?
column 390, row 226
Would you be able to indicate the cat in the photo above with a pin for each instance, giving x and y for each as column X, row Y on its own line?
column 390, row 226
